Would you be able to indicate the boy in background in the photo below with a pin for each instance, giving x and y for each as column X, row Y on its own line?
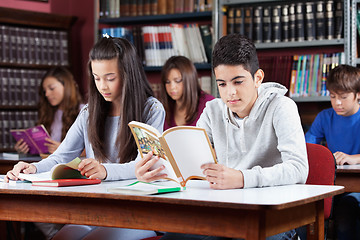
column 340, row 127
column 255, row 130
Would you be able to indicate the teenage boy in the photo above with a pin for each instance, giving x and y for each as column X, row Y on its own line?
column 254, row 129
column 340, row 127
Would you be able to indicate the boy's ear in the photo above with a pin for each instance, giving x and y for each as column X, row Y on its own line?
column 259, row 77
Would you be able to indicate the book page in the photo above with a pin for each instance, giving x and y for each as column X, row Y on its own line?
column 148, row 141
column 44, row 176
column 190, row 148
column 66, row 171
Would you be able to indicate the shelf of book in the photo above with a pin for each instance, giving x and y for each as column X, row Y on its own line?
column 200, row 66
column 30, row 43
column 302, row 44
column 150, row 19
column 312, row 99
column 160, row 36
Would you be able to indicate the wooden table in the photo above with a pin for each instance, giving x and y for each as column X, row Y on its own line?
column 7, row 164
column 349, row 177
column 243, row 213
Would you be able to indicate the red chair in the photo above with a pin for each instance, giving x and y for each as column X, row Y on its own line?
column 322, row 167
column 321, row 170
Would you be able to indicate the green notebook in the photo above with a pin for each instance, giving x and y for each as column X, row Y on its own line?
column 144, row 188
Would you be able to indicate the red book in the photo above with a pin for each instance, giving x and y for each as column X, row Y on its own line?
column 66, row 182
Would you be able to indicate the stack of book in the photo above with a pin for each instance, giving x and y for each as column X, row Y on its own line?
column 33, row 46
column 316, row 20
column 309, row 73
column 125, row 8
column 155, row 44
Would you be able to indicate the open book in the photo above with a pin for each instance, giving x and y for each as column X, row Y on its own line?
column 60, row 175
column 34, row 138
column 182, row 149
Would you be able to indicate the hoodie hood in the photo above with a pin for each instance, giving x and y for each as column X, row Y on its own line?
column 266, row 93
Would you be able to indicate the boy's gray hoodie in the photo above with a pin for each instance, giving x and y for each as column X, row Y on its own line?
column 269, row 145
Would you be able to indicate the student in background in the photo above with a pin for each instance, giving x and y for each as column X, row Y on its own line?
column 59, row 105
column 255, row 130
column 182, row 96
column 119, row 93
column 340, row 127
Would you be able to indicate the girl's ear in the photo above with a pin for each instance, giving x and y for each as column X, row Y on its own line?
column 259, row 77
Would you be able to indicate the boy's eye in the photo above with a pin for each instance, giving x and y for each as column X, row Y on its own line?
column 221, row 84
column 238, row 82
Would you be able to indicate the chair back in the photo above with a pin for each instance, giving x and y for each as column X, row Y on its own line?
column 321, row 170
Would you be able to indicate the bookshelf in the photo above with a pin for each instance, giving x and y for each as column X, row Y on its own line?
column 136, row 25
column 329, row 34
column 30, row 43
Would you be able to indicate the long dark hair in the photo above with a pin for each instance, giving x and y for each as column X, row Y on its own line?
column 134, row 94
column 71, row 101
column 191, row 92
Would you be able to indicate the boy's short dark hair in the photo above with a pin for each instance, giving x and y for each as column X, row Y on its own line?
column 344, row 78
column 235, row 49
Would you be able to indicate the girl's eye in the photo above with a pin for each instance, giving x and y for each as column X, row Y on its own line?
column 221, row 84
column 178, row 80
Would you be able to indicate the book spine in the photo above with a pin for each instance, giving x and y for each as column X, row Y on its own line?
column 285, row 22
column 310, row 21
column 170, row 7
column 153, row 7
column 19, row 49
column 4, row 87
column 249, row 22
column 300, row 36
column 276, row 23
column 133, row 8
column 292, row 22
column 338, row 19
column 140, row 7
column 258, row 24
column 12, row 45
column 239, row 21
column 230, row 20
column 267, row 24
column 320, row 20
column 329, row 18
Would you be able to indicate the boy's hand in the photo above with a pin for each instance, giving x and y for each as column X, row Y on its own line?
column 143, row 172
column 51, row 145
column 221, row 177
column 21, row 146
column 24, row 167
column 343, row 158
column 92, row 169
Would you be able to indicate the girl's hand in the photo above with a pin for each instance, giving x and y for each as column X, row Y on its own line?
column 92, row 169
column 24, row 167
column 221, row 177
column 51, row 145
column 21, row 146
column 143, row 172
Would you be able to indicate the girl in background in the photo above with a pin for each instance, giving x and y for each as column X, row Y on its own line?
column 59, row 105
column 182, row 96
column 119, row 93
